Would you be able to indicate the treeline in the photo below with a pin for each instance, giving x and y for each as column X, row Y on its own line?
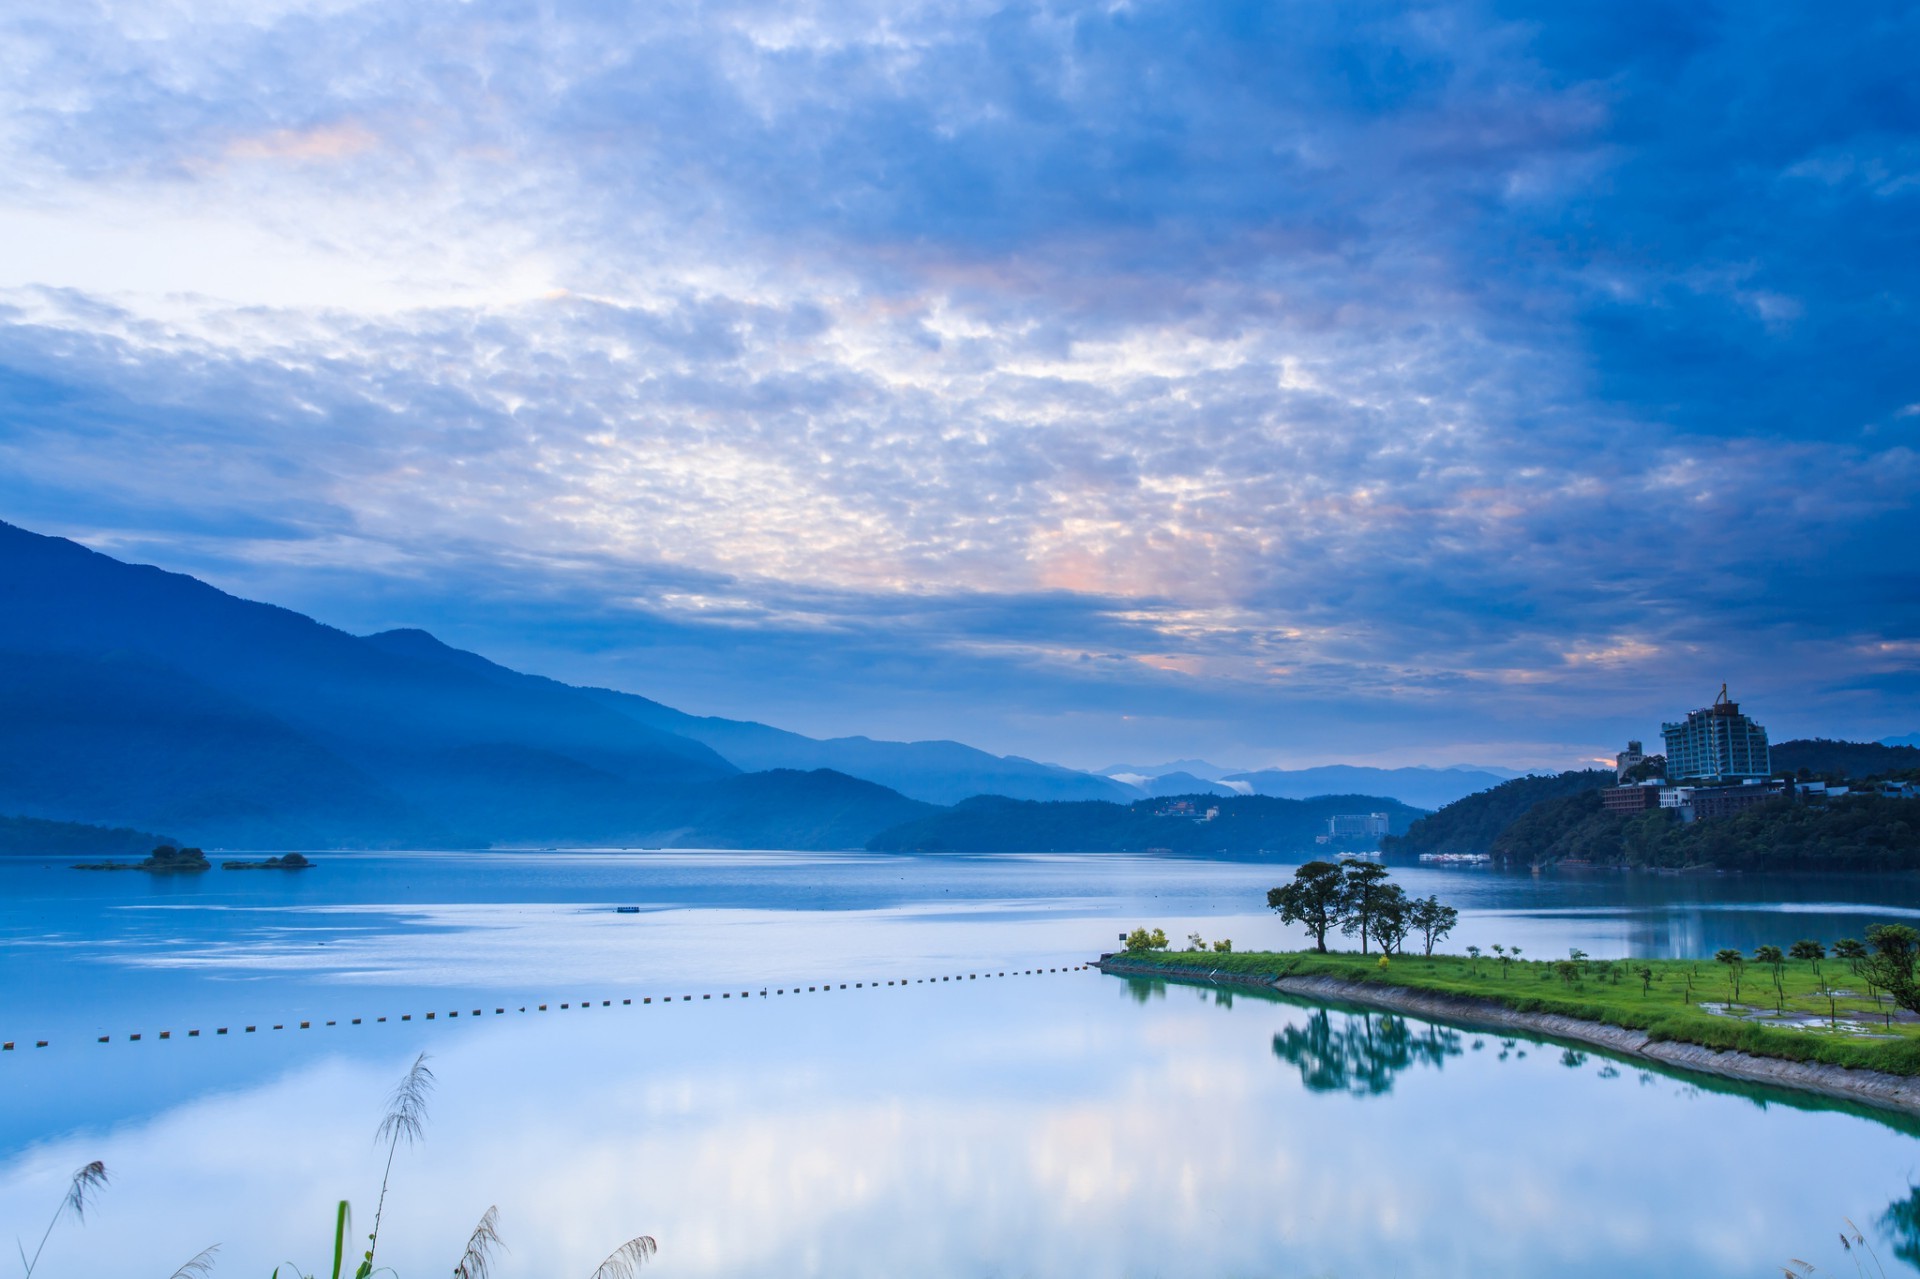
column 1855, row 833
column 1247, row 825
column 1472, row 824
column 1819, row 757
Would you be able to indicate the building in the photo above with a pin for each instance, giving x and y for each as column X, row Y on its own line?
column 1630, row 799
column 1627, row 760
column 1357, row 825
column 1716, row 744
column 1725, row 801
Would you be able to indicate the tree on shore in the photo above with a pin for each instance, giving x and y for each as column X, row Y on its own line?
column 1434, row 921
column 1811, row 951
column 1850, row 949
column 1366, row 895
column 1775, row 960
column 1736, row 964
column 1890, row 966
column 1392, row 918
column 1316, row 900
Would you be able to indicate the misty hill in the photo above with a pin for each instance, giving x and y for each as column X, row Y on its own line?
column 31, row 837
column 1421, row 787
column 1247, row 825
column 1857, row 760
column 1472, row 824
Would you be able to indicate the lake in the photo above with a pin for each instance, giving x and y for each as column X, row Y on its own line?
column 959, row 1123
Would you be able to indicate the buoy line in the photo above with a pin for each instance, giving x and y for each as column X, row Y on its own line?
column 644, row 1000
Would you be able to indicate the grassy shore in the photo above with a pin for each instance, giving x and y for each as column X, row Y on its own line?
column 1683, row 1000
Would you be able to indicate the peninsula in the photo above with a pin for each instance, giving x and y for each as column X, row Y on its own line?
column 1817, row 1025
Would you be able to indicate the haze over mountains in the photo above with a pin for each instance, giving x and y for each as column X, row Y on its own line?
column 135, row 697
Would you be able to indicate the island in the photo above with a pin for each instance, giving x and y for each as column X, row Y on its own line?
column 164, row 860
column 288, row 861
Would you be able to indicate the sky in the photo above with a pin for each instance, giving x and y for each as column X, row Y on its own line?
column 1277, row 383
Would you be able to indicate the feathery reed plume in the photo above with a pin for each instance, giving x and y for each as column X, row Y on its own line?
column 199, row 1268
column 406, row 1121
column 627, row 1258
column 86, row 1181
column 474, row 1262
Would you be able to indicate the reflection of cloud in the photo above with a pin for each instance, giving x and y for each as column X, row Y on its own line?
column 960, row 1133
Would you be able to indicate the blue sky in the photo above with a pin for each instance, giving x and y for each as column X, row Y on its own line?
column 1280, row 383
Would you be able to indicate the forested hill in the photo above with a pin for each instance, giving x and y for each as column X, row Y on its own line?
column 1246, row 826
column 1471, row 825
column 1820, row 757
column 1853, row 833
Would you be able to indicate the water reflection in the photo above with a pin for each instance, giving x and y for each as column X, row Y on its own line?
column 1360, row 1053
column 1901, row 1221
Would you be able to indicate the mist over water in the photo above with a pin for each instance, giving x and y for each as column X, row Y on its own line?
column 1054, row 1124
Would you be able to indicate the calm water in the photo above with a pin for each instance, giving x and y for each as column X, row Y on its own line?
column 1065, row 1124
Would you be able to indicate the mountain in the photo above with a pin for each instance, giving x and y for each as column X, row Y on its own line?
column 1195, row 767
column 932, row 772
column 936, row 772
column 1911, row 739
column 31, row 837
column 1472, row 824
column 1420, row 787
column 136, row 696
column 146, row 698
column 1243, row 826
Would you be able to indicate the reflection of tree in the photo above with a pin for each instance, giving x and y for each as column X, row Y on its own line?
column 1901, row 1220
column 1363, row 1053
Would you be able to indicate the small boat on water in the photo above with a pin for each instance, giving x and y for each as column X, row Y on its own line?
column 1457, row 859
column 626, row 910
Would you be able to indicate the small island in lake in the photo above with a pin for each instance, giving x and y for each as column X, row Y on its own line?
column 290, row 861
column 164, row 860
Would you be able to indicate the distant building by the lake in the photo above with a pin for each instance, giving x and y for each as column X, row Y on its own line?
column 1717, row 744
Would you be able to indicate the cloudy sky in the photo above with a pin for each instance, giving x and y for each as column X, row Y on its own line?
column 1277, row 382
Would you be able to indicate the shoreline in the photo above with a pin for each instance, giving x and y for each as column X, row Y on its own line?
column 1879, row 1089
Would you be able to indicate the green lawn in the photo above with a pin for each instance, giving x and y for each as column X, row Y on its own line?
column 1796, row 1021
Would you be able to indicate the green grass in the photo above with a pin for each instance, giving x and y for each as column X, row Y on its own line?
column 1668, row 1008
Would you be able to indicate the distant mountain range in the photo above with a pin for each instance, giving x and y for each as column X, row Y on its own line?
column 1420, row 787
column 137, row 698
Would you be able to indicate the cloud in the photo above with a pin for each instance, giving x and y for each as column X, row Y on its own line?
column 1276, row 377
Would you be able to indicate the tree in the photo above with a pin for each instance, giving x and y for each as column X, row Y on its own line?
column 1140, row 939
column 1392, row 918
column 1850, row 949
column 1774, row 959
column 1809, row 950
column 1365, row 885
column 1890, row 966
column 1735, row 962
column 1434, row 922
column 1645, row 974
column 1316, row 900
column 1473, row 953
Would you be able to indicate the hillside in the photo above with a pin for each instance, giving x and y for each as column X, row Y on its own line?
column 1247, row 825
column 1472, row 824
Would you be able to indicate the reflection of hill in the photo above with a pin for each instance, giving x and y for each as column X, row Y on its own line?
column 1360, row 1053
